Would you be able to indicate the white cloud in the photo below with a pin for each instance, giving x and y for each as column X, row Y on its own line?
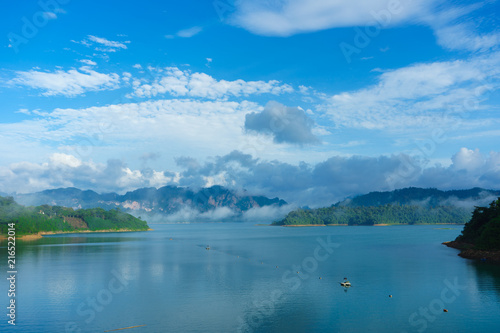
column 102, row 44
column 24, row 111
column 316, row 185
column 64, row 170
column 284, row 124
column 106, row 42
column 418, row 96
column 186, row 33
column 463, row 37
column 88, row 62
column 196, row 127
column 67, row 83
column 456, row 29
column 467, row 159
column 176, row 82
column 50, row 15
column 288, row 17
column 64, row 160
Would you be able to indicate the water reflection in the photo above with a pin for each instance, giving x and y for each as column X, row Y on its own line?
column 487, row 278
column 169, row 281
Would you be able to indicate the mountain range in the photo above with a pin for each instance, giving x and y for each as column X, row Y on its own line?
column 405, row 206
column 177, row 203
column 217, row 203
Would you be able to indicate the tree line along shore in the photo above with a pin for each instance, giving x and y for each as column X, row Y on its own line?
column 33, row 221
column 376, row 215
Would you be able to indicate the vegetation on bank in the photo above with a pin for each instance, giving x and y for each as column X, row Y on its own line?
column 482, row 232
column 45, row 218
column 372, row 215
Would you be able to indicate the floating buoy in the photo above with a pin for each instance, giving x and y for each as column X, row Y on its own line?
column 444, row 310
column 320, row 277
column 297, row 272
column 390, row 295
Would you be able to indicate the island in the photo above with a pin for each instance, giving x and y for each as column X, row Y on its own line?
column 35, row 221
column 480, row 238
column 387, row 214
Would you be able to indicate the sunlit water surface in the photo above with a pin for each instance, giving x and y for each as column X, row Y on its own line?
column 252, row 279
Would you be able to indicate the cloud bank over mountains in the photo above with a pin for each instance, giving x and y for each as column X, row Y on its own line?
column 304, row 184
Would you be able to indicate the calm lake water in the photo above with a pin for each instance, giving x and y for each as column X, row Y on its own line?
column 252, row 279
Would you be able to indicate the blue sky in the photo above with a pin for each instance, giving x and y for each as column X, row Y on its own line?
column 311, row 101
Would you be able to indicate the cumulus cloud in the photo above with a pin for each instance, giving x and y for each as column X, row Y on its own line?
column 64, row 170
column 67, row 83
column 467, row 159
column 176, row 82
column 88, row 62
column 337, row 177
column 285, row 124
column 198, row 128
column 315, row 185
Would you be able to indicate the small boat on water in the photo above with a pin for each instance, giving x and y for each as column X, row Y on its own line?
column 345, row 283
column 208, row 247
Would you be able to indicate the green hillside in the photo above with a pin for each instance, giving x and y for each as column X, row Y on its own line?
column 371, row 215
column 45, row 218
column 483, row 229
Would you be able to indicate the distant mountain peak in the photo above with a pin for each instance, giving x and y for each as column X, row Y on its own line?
column 166, row 200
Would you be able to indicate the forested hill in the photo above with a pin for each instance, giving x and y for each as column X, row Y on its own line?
column 428, row 197
column 372, row 215
column 45, row 218
column 169, row 202
column 483, row 229
column 404, row 206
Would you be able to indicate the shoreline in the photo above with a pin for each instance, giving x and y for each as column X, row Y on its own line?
column 302, row 225
column 357, row 225
column 467, row 251
column 31, row 237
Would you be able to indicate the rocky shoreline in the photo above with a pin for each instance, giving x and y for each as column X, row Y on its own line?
column 469, row 252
